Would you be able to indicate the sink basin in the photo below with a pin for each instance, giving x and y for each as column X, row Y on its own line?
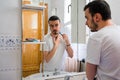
column 48, row 74
column 45, row 75
column 60, row 76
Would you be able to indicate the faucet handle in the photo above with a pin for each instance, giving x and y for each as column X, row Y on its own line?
column 56, row 69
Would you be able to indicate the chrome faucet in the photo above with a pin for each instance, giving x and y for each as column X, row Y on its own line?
column 56, row 72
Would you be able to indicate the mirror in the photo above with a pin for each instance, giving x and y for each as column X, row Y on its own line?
column 33, row 22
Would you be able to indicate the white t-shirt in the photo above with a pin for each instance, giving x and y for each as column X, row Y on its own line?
column 104, row 50
column 56, row 61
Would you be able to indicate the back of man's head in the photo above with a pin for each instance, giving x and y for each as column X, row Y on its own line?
column 99, row 6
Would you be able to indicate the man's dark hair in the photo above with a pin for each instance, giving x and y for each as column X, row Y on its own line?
column 99, row 6
column 53, row 18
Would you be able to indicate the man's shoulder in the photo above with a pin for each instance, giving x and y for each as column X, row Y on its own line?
column 47, row 37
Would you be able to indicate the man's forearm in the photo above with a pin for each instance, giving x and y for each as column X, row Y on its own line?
column 91, row 71
column 69, row 51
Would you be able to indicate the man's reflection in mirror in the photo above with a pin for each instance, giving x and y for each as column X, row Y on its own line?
column 56, row 44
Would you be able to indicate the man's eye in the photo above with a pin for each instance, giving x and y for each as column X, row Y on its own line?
column 51, row 25
column 56, row 24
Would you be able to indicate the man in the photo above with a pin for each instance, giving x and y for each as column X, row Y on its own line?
column 103, row 49
column 56, row 44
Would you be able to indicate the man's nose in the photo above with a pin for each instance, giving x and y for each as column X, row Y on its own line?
column 54, row 27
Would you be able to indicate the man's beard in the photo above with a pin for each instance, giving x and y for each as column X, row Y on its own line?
column 94, row 26
column 55, row 32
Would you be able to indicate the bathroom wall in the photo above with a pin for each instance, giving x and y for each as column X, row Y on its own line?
column 10, row 39
column 114, row 5
column 58, row 6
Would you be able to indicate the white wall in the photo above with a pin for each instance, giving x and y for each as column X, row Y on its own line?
column 115, row 6
column 10, row 39
column 59, row 6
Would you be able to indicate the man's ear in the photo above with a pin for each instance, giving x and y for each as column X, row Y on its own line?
column 97, row 17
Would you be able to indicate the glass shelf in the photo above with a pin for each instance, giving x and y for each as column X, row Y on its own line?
column 33, row 7
column 33, row 42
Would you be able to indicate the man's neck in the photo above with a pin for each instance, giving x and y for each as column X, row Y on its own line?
column 105, row 24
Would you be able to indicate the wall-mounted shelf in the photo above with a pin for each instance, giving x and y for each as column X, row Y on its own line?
column 33, row 42
column 32, row 49
column 33, row 7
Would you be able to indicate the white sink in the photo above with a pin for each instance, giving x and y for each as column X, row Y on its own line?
column 60, row 76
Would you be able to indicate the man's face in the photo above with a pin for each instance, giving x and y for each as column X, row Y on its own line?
column 90, row 21
column 54, row 26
